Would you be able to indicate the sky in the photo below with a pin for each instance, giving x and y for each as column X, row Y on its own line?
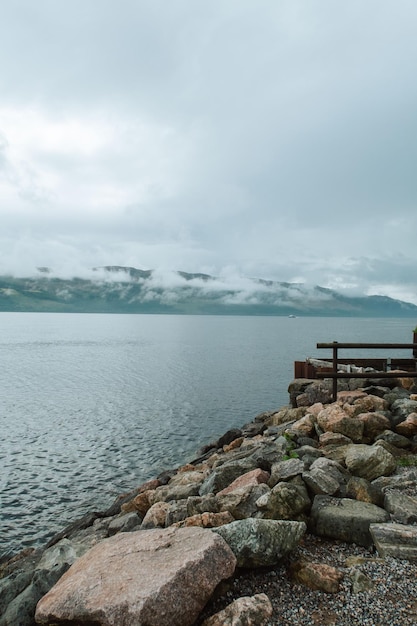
column 271, row 139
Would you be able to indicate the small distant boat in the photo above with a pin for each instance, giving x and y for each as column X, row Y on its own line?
column 292, row 316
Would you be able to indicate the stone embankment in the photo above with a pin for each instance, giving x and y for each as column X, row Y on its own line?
column 342, row 471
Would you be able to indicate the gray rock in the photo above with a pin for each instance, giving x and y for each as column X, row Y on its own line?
column 316, row 392
column 360, row 582
column 377, row 390
column 403, row 508
column 344, row 519
column 170, row 492
column 269, row 452
column 404, row 479
column 225, row 474
column 308, row 454
column 394, row 439
column 228, row 437
column 286, row 501
column 12, row 586
column 261, row 542
column 401, row 409
column 396, row 540
column 63, row 552
column 124, row 523
column 253, row 429
column 202, row 504
column 285, row 470
column 320, row 482
column 21, row 610
column 325, row 476
column 297, row 387
column 397, row 393
column 177, row 512
column 369, row 462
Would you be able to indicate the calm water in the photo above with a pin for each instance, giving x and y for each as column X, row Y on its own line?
column 93, row 405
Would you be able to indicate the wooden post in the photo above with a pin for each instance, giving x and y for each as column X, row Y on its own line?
column 415, row 341
column 334, row 370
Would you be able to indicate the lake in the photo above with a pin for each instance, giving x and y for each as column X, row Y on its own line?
column 93, row 405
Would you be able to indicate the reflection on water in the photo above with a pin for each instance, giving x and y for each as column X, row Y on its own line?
column 93, row 405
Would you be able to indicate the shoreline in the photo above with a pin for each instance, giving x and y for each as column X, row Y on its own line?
column 256, row 444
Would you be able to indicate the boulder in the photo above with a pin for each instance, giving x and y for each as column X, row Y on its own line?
column 246, row 611
column 394, row 439
column 395, row 540
column 202, row 504
column 317, row 576
column 344, row 519
column 334, row 419
column 367, row 403
column 304, row 427
column 320, row 482
column 317, row 391
column 404, row 479
column 142, row 502
column 402, row 508
column 325, row 476
column 408, row 428
column 261, row 542
column 374, row 424
column 297, row 387
column 361, row 489
column 369, row 462
column 21, row 609
column 124, row 523
column 334, row 439
column 156, row 516
column 242, row 502
column 156, row 577
column 176, row 512
column 206, row 520
column 350, row 396
column 178, row 491
column 360, row 582
column 285, row 470
column 255, row 477
column 236, row 443
column 285, row 415
column 228, row 437
column 402, row 408
column 223, row 475
column 286, row 501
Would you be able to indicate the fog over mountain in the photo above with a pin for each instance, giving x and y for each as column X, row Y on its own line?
column 272, row 139
column 117, row 289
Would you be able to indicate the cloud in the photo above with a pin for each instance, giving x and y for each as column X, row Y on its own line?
column 278, row 140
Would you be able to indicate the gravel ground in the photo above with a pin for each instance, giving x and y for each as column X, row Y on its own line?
column 391, row 601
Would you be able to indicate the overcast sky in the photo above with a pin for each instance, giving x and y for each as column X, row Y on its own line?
column 263, row 138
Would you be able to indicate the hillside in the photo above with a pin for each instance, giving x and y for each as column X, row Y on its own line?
column 114, row 289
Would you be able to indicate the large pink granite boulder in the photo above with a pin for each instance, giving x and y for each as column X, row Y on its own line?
column 160, row 577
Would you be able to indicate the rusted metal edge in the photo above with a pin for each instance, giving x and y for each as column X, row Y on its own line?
column 383, row 346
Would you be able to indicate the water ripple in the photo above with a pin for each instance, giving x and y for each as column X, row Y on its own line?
column 93, row 405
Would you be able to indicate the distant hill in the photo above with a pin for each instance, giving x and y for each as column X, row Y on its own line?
column 115, row 289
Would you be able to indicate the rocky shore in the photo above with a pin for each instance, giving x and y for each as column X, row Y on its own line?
column 307, row 515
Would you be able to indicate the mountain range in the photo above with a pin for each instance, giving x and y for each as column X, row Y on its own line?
column 117, row 289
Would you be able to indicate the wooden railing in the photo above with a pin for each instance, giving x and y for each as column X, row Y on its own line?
column 335, row 346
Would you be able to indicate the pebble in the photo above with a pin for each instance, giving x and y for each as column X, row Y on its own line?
column 391, row 602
